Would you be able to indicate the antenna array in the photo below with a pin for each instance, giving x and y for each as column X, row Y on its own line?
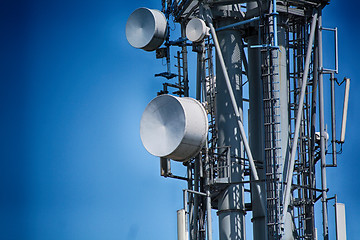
column 270, row 51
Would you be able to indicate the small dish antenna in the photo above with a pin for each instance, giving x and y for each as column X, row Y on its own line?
column 196, row 30
column 146, row 29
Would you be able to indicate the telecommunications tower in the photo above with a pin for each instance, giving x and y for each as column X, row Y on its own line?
column 259, row 63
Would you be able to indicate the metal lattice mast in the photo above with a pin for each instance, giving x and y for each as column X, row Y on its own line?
column 284, row 72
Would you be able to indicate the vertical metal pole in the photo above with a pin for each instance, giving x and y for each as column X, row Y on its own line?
column 208, row 212
column 279, row 136
column 208, row 197
column 168, row 64
column 185, row 196
column 206, row 161
column 322, row 137
column 256, row 132
column 310, row 223
column 279, row 58
column 165, row 167
column 199, row 77
column 336, row 51
column 274, row 13
column 185, row 63
column 186, row 94
column 178, row 57
column 185, row 200
column 333, row 120
column 189, row 200
column 194, row 232
column 199, row 71
column 244, row 61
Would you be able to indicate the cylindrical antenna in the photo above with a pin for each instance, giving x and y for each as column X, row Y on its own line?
column 181, row 225
column 345, row 109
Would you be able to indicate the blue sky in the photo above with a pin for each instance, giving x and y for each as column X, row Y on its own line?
column 72, row 94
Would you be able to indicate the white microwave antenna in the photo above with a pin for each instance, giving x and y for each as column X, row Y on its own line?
column 146, row 29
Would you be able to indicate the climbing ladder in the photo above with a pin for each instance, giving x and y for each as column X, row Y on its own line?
column 273, row 153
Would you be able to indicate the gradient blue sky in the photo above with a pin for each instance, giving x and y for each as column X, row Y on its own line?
column 71, row 97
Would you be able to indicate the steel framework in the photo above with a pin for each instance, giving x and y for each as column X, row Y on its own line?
column 270, row 51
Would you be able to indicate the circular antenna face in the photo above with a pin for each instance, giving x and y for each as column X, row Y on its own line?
column 162, row 125
column 174, row 127
column 196, row 30
column 146, row 29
